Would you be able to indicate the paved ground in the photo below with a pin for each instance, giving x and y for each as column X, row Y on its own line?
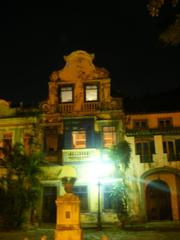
column 92, row 235
column 150, row 231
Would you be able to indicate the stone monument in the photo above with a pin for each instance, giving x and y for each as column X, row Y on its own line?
column 68, row 213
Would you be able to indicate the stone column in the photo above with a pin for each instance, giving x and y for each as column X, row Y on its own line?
column 68, row 218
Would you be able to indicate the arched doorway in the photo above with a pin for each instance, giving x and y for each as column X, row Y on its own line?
column 158, row 201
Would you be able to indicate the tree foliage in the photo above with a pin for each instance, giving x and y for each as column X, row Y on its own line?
column 171, row 35
column 120, row 154
column 20, row 185
column 119, row 199
column 154, row 6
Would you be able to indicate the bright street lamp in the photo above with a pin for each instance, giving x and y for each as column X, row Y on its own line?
column 97, row 170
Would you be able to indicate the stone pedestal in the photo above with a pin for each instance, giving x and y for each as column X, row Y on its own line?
column 68, row 218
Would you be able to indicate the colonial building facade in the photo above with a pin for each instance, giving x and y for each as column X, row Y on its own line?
column 155, row 164
column 76, row 126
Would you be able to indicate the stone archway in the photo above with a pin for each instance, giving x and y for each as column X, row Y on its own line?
column 158, row 201
column 168, row 176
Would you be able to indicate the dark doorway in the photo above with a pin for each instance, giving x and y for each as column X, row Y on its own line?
column 158, row 201
column 49, row 205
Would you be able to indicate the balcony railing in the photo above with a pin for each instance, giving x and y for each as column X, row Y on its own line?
column 76, row 155
column 66, row 107
column 86, row 107
column 152, row 131
column 91, row 106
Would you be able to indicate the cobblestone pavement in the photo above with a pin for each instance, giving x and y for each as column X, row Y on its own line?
column 140, row 235
column 167, row 230
column 96, row 235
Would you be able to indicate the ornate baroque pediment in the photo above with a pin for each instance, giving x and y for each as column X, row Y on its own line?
column 79, row 66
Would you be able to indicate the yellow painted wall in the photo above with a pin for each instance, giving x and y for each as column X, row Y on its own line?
column 153, row 119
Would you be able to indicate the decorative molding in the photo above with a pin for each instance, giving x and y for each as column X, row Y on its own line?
column 79, row 66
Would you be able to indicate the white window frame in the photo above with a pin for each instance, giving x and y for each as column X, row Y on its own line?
column 91, row 92
column 79, row 139
column 66, row 94
column 109, row 136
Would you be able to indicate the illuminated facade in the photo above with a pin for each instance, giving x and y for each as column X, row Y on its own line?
column 77, row 125
column 80, row 121
column 154, row 172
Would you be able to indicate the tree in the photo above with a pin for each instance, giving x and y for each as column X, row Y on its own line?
column 120, row 154
column 20, row 185
column 171, row 35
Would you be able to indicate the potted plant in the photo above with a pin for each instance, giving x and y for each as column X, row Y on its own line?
column 68, row 183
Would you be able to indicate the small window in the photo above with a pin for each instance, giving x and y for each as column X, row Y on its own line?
column 165, row 123
column 6, row 141
column 27, row 142
column 172, row 149
column 145, row 149
column 91, row 93
column 51, row 140
column 82, row 193
column 141, row 124
column 66, row 94
column 109, row 136
column 79, row 139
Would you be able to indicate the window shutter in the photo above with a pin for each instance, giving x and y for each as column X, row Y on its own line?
column 177, row 143
column 146, row 148
column 68, row 139
column 61, row 141
column 138, row 149
column 98, row 140
column 164, row 147
column 90, row 139
column 171, row 147
column 152, row 147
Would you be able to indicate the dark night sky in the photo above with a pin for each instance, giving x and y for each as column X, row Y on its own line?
column 124, row 39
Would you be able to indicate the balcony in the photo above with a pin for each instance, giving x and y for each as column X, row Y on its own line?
column 66, row 107
column 153, row 131
column 76, row 155
column 86, row 107
column 91, row 106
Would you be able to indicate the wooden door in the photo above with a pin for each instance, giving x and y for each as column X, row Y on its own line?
column 49, row 205
column 158, row 201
